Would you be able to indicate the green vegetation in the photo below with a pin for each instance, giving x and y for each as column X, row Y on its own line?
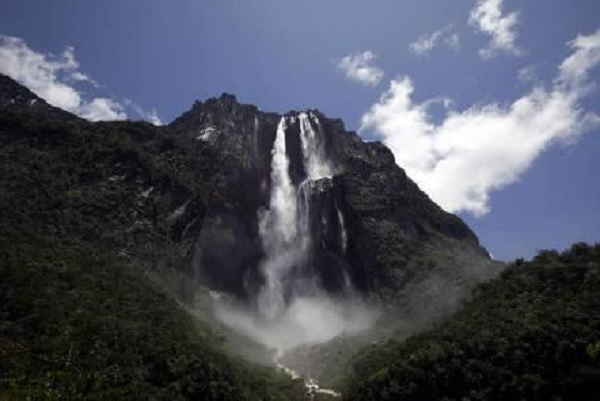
column 532, row 334
column 80, row 316
column 77, row 324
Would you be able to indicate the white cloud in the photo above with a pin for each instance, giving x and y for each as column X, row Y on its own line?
column 360, row 67
column 576, row 67
column 46, row 76
column 53, row 78
column 426, row 43
column 527, row 74
column 488, row 18
column 101, row 109
column 453, row 41
column 471, row 153
column 150, row 116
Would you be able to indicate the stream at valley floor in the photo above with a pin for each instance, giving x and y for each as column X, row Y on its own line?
column 312, row 386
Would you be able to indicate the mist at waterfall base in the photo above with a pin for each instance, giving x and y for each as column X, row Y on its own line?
column 306, row 320
column 291, row 308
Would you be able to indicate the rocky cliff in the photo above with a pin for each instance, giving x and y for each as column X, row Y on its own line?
column 394, row 234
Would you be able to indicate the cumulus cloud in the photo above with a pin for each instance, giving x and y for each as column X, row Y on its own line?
column 488, row 18
column 575, row 69
column 360, row 67
column 54, row 79
column 150, row 116
column 469, row 154
column 101, row 109
column 426, row 43
column 527, row 74
column 453, row 41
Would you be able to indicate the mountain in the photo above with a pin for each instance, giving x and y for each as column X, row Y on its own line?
column 370, row 224
column 115, row 235
column 17, row 98
column 395, row 235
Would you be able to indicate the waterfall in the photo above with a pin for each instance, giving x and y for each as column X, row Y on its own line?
column 284, row 227
column 343, row 235
column 291, row 308
column 313, row 148
column 278, row 230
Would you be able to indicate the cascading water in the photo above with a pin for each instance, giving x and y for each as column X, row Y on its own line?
column 291, row 307
column 343, row 235
column 313, row 149
column 285, row 227
column 278, row 230
column 315, row 162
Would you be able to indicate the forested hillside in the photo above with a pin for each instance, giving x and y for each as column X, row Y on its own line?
column 532, row 334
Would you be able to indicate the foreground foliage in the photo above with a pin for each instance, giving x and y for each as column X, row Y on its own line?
column 532, row 334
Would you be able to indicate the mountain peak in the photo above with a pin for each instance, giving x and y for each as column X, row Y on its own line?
column 15, row 97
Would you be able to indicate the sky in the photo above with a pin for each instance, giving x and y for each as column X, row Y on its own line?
column 491, row 106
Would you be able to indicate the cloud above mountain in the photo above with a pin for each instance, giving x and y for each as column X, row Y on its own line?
column 361, row 67
column 426, row 43
column 488, row 18
column 56, row 79
column 460, row 160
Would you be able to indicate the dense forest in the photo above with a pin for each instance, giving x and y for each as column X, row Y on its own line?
column 532, row 334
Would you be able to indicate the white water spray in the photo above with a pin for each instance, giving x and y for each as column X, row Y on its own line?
column 313, row 149
column 278, row 230
column 284, row 227
column 295, row 312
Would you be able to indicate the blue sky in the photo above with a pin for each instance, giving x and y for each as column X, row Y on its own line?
column 468, row 94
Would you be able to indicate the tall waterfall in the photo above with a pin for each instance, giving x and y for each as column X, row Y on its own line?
column 278, row 230
column 313, row 148
column 284, row 227
column 290, row 308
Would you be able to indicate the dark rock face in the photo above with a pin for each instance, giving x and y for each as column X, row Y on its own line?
column 391, row 227
column 230, row 249
column 330, row 242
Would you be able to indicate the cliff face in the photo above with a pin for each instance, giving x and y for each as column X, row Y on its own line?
column 368, row 218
